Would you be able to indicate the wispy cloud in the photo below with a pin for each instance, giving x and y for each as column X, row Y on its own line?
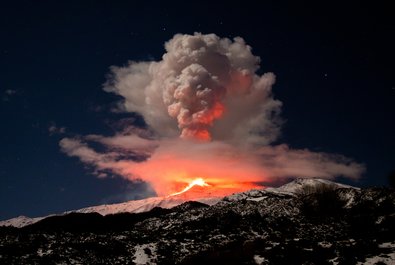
column 53, row 129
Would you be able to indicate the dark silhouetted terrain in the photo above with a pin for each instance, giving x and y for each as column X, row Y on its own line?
column 306, row 222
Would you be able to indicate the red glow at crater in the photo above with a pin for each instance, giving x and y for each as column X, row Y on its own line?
column 198, row 182
column 201, row 188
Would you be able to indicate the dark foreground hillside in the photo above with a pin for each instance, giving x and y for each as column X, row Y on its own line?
column 318, row 225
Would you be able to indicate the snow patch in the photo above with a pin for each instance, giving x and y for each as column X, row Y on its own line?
column 260, row 260
column 145, row 254
column 325, row 244
column 388, row 258
column 41, row 252
column 257, row 199
column 334, row 261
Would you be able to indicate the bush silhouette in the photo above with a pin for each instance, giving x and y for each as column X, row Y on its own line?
column 321, row 200
column 391, row 179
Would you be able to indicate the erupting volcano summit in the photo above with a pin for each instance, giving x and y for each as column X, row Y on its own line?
column 210, row 122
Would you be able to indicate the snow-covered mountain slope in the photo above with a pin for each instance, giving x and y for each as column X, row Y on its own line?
column 292, row 188
column 134, row 206
column 297, row 185
column 144, row 205
column 21, row 221
column 312, row 224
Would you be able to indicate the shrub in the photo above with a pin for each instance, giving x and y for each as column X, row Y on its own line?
column 391, row 179
column 321, row 200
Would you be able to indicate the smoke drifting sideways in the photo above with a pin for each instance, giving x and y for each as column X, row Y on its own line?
column 209, row 115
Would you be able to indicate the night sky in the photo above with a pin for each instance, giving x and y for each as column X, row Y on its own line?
column 334, row 65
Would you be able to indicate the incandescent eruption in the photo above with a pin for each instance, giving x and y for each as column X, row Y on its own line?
column 196, row 182
column 208, row 114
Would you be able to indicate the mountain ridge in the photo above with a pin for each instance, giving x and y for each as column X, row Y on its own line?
column 144, row 205
column 314, row 224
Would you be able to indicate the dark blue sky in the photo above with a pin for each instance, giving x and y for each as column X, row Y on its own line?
column 334, row 65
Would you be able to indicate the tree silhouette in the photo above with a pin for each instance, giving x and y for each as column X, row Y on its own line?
column 391, row 179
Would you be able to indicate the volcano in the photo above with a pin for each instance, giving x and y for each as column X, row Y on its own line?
column 195, row 193
column 312, row 221
column 204, row 193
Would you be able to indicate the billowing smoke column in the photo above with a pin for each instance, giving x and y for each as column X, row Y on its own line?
column 206, row 91
column 200, row 79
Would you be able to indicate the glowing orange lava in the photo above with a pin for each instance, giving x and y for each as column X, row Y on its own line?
column 209, row 187
column 196, row 182
column 192, row 170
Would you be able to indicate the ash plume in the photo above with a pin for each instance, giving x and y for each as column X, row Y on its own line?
column 212, row 116
column 205, row 87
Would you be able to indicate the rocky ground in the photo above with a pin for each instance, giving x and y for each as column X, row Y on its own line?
column 316, row 224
